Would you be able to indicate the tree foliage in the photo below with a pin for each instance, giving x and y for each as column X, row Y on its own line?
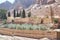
column 29, row 14
column 17, row 14
column 8, row 14
column 55, row 20
column 20, row 14
column 14, row 14
column 23, row 14
column 3, row 14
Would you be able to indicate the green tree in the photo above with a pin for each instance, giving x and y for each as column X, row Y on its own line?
column 14, row 14
column 55, row 20
column 17, row 14
column 3, row 13
column 29, row 14
column 8, row 14
column 23, row 14
column 20, row 14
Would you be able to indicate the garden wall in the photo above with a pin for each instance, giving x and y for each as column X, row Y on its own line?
column 32, row 20
column 31, row 33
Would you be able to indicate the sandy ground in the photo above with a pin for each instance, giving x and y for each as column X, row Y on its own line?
column 4, row 37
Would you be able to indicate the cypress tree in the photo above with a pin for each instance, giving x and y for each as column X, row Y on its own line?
column 29, row 14
column 8, row 14
column 14, row 14
column 23, row 14
column 20, row 14
column 17, row 14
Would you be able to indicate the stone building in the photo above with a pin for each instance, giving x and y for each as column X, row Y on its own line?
column 42, row 8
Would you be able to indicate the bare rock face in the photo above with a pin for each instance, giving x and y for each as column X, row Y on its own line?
column 50, row 1
column 45, row 1
column 58, row 1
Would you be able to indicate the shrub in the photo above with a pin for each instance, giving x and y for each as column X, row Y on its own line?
column 26, row 27
column 4, row 21
column 30, row 28
column 12, row 26
column 6, row 26
column 37, row 29
column 43, row 28
column 55, row 20
column 19, row 28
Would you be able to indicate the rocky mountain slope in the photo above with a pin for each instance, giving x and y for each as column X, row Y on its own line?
column 8, row 5
column 5, row 5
